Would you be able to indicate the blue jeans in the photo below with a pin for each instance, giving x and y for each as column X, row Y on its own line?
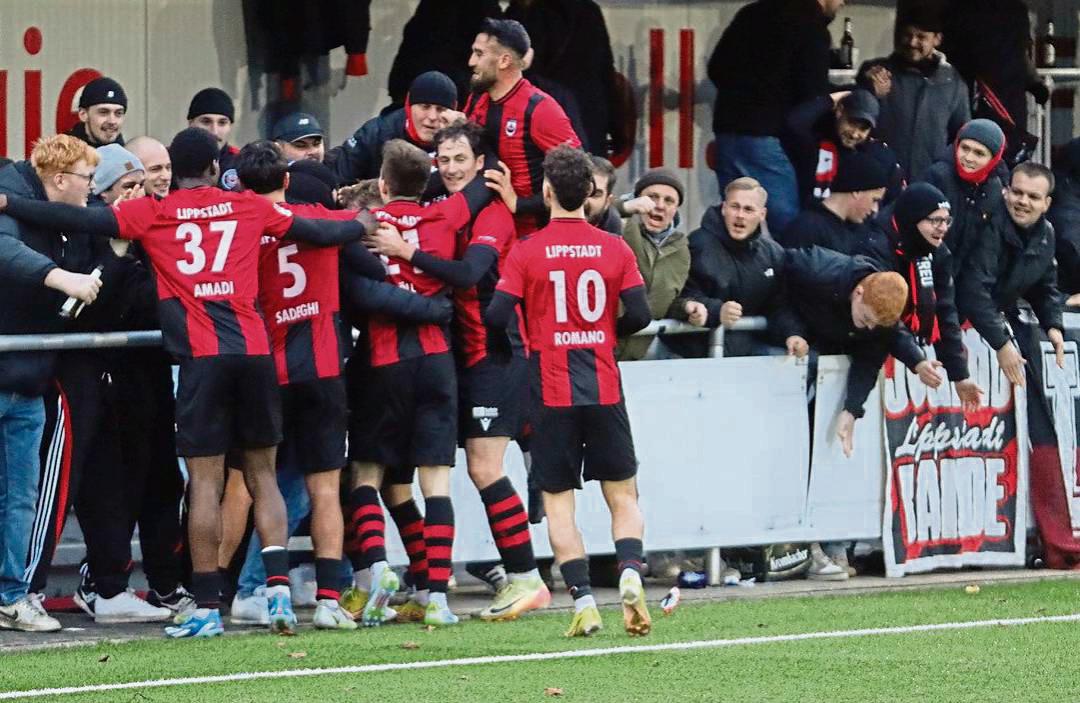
column 762, row 158
column 22, row 420
column 297, row 506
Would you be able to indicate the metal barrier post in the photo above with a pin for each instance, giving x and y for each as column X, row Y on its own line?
column 716, row 343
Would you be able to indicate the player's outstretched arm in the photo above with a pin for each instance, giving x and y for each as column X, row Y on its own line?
column 636, row 314
column 500, row 312
column 358, row 260
column 371, row 296
column 461, row 273
column 328, row 233
column 69, row 218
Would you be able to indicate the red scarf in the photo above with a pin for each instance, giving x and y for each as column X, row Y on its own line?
column 410, row 128
column 921, row 315
column 976, row 177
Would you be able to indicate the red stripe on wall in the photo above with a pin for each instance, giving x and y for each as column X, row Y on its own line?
column 3, row 113
column 686, row 98
column 32, row 103
column 656, row 98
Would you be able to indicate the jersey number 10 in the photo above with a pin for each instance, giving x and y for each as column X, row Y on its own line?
column 589, row 278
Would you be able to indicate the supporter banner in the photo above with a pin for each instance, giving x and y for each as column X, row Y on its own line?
column 1053, row 398
column 956, row 489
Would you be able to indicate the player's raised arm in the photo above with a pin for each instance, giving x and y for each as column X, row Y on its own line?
column 61, row 216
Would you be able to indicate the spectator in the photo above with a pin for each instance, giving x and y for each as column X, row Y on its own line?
column 1017, row 264
column 736, row 271
column 430, row 105
column 119, row 174
column 60, row 170
column 838, row 221
column 773, row 56
column 213, row 110
column 1064, row 215
column 523, row 122
column 969, row 179
column 911, row 241
column 102, row 108
column 573, row 49
column 156, row 161
column 824, row 128
column 924, row 101
column 660, row 246
column 299, row 136
column 598, row 207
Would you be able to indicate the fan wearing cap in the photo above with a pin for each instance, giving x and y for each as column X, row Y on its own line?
column 212, row 109
column 119, row 175
column 837, row 222
column 909, row 238
column 430, row 105
column 523, row 122
column 300, row 136
column 969, row 178
column 102, row 107
column 821, row 129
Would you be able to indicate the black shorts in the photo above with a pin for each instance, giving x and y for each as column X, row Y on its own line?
column 492, row 398
column 227, row 402
column 314, row 415
column 596, row 435
column 404, row 414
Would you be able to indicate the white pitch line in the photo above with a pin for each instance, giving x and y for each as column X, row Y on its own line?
column 538, row 656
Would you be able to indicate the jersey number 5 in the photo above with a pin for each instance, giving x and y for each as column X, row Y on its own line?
column 192, row 236
column 292, row 268
column 589, row 278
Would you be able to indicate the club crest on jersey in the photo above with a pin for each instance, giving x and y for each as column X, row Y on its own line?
column 230, row 180
column 511, row 127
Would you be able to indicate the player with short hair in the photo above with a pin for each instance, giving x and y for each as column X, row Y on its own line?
column 203, row 243
column 570, row 278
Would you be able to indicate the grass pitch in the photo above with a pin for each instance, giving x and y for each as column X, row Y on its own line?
column 1035, row 662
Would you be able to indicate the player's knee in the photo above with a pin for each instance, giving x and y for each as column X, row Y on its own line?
column 484, row 472
column 395, row 494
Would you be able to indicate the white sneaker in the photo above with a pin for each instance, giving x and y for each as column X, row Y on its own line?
column 27, row 614
column 302, row 586
column 252, row 610
column 127, row 607
column 331, row 616
column 822, row 568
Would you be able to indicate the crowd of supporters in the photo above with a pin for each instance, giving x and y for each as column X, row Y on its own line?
column 383, row 291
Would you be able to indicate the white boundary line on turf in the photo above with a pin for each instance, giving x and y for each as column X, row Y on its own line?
column 539, row 656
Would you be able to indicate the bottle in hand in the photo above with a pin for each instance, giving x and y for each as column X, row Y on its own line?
column 73, row 306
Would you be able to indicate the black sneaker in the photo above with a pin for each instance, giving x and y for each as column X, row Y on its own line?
column 85, row 597
column 179, row 600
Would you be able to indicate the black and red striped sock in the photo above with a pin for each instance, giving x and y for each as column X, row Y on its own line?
column 410, row 524
column 439, row 541
column 327, row 580
column 276, row 562
column 628, row 552
column 509, row 526
column 365, row 534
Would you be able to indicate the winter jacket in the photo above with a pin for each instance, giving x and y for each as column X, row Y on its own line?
column 27, row 255
column 881, row 246
column 749, row 272
column 1064, row 215
column 664, row 269
column 819, row 226
column 773, row 56
column 922, row 113
column 360, row 157
column 1019, row 264
column 814, row 148
column 978, row 211
column 821, row 282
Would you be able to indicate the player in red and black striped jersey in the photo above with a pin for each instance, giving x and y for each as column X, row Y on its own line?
column 523, row 122
column 203, row 243
column 492, row 375
column 570, row 278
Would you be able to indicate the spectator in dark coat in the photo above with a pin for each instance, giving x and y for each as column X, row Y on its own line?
column 1064, row 214
column 839, row 221
column 910, row 239
column 737, row 271
column 924, row 101
column 1018, row 264
column 821, row 129
column 773, row 56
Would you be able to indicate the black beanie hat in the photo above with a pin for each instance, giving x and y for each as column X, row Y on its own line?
column 311, row 182
column 211, row 101
column 433, row 88
column 192, row 151
column 858, row 171
column 103, row 90
column 984, row 131
column 922, row 15
column 660, row 176
column 912, row 206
